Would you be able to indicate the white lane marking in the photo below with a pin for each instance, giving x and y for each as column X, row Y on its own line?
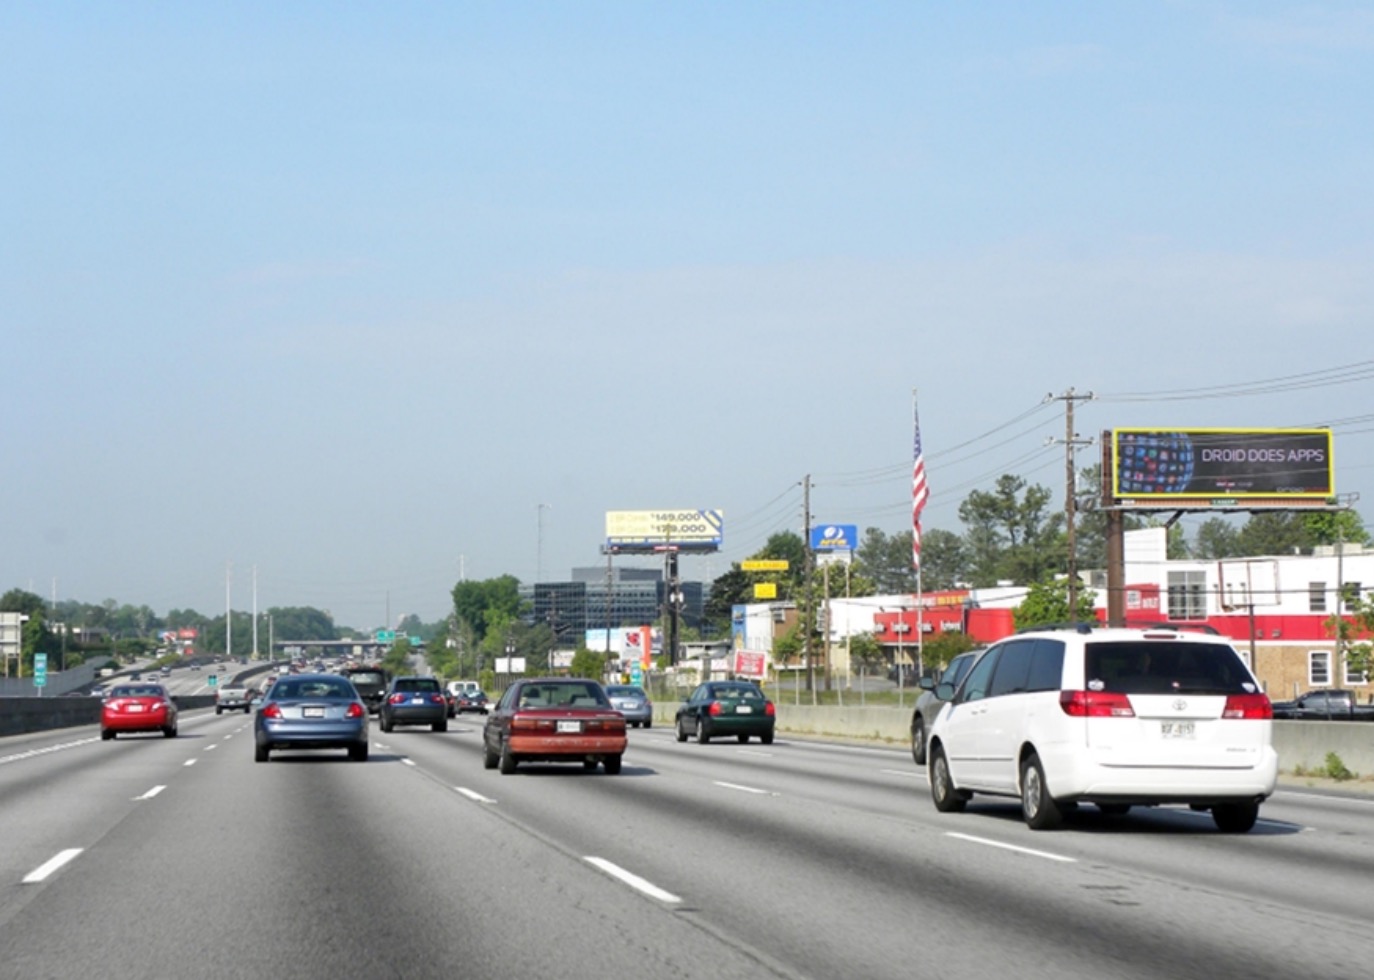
column 44, row 870
column 1013, row 847
column 903, row 772
column 761, row 755
column 1306, row 796
column 189, row 762
column 33, row 753
column 150, row 794
column 633, row 880
column 473, row 795
column 209, row 748
column 742, row 789
column 408, row 762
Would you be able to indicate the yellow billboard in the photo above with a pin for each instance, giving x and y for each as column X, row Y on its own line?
column 664, row 528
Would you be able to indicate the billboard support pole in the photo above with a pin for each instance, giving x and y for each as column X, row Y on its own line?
column 1116, row 541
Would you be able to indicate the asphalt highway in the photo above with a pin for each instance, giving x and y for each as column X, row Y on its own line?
column 153, row 857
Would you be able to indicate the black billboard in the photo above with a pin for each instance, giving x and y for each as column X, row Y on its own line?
column 1163, row 465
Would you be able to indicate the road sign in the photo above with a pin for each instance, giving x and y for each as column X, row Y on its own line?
column 386, row 636
column 765, row 590
column 40, row 669
column 764, row 565
column 213, row 680
column 636, row 674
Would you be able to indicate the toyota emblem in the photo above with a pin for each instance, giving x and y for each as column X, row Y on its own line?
column 1180, row 705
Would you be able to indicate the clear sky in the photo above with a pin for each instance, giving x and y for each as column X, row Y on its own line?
column 372, row 295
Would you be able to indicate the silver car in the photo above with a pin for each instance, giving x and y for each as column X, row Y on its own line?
column 633, row 703
column 311, row 711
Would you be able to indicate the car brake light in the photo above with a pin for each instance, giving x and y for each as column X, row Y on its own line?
column 397, row 698
column 1249, row 706
column 272, row 711
column 437, row 698
column 526, row 723
column 355, row 710
column 1095, row 704
column 769, row 709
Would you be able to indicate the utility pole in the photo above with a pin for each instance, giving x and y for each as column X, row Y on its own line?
column 228, row 610
column 1071, row 442
column 806, row 614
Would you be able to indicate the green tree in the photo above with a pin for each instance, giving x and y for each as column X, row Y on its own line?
column 397, row 659
column 944, row 559
column 866, row 651
column 589, row 664
column 486, row 602
column 886, row 561
column 1355, row 632
column 1327, row 527
column 1217, row 538
column 1011, row 533
column 1275, row 533
column 1047, row 602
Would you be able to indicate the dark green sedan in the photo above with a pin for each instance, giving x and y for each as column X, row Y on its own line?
column 717, row 708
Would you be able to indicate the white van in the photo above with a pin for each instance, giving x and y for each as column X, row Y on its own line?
column 1113, row 717
column 456, row 688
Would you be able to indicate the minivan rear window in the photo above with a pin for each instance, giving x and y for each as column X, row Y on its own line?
column 1165, row 667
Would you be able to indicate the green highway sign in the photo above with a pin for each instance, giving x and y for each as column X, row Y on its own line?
column 40, row 670
column 213, row 680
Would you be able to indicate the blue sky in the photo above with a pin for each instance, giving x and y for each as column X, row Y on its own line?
column 348, row 291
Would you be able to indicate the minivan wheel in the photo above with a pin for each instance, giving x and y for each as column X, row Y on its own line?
column 1037, row 806
column 947, row 798
column 918, row 741
column 1235, row 818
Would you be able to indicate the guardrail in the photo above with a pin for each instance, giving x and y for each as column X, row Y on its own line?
column 21, row 715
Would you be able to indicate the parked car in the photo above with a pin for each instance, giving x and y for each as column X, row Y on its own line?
column 370, row 682
column 554, row 719
column 1114, row 717
column 414, row 701
column 738, row 708
column 632, row 702
column 928, row 705
column 137, row 708
column 311, row 711
column 1331, row 704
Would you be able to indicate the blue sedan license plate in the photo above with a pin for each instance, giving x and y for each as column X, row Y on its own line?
column 312, row 712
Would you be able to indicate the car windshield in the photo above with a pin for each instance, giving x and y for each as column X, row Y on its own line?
column 737, row 693
column 1163, row 667
column 563, row 695
column 624, row 691
column 136, row 691
column 310, row 688
column 410, row 684
column 367, row 677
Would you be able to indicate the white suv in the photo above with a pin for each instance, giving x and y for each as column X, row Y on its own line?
column 1113, row 717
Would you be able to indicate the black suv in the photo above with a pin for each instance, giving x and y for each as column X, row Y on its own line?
column 415, row 701
column 371, row 683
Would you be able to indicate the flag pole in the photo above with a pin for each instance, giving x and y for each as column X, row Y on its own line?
column 919, row 492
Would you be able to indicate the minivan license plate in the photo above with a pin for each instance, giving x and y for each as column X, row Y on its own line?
column 1176, row 729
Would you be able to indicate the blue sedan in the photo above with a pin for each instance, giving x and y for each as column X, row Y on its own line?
column 311, row 711
column 633, row 703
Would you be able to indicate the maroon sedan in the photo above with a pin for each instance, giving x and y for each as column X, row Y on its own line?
column 554, row 719
column 138, row 708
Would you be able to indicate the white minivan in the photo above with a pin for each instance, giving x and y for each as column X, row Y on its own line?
column 1114, row 717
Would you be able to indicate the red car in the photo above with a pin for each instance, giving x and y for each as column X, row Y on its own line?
column 554, row 719
column 138, row 708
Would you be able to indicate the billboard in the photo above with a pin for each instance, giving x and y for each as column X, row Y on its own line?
column 835, row 537
column 649, row 530
column 1179, row 467
column 749, row 663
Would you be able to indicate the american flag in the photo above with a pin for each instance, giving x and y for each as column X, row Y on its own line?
column 919, row 490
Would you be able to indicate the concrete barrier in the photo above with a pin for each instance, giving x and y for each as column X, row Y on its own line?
column 1300, row 744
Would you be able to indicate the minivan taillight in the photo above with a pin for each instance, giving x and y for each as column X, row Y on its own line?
column 1095, row 704
column 1249, row 706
